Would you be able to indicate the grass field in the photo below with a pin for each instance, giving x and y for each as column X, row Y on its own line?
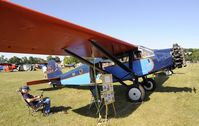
column 173, row 103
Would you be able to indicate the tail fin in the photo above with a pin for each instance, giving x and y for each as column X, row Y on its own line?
column 53, row 69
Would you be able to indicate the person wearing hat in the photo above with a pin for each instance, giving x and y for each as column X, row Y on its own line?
column 36, row 100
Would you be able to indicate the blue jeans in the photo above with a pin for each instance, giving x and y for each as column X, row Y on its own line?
column 46, row 102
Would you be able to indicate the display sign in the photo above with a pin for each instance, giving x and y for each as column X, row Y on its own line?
column 107, row 89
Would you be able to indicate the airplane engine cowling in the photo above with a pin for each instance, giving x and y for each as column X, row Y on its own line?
column 178, row 56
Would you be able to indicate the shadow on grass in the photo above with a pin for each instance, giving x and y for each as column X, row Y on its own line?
column 58, row 109
column 68, row 86
column 51, row 88
column 123, row 106
column 161, row 78
column 178, row 73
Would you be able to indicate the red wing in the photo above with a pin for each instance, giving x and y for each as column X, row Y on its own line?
column 26, row 31
column 35, row 82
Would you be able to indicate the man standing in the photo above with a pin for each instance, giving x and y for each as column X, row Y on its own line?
column 44, row 69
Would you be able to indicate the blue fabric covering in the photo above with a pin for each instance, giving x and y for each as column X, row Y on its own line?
column 29, row 96
column 53, row 69
column 46, row 102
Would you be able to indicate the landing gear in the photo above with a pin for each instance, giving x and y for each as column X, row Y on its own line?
column 168, row 72
column 149, row 84
column 54, row 84
column 136, row 93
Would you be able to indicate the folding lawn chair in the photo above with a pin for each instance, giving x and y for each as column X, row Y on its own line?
column 32, row 109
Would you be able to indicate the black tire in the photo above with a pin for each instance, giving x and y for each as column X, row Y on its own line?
column 149, row 85
column 136, row 93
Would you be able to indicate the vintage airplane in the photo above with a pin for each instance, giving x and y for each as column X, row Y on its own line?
column 27, row 31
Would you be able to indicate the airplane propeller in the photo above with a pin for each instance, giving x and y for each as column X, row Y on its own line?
column 178, row 56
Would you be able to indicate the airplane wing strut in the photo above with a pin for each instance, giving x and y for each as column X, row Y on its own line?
column 92, row 65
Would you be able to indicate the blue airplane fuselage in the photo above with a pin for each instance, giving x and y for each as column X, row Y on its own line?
column 161, row 59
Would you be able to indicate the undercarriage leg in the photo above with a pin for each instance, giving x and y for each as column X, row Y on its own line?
column 149, row 84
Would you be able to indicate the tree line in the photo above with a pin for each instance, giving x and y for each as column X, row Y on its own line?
column 191, row 55
column 27, row 60
column 36, row 60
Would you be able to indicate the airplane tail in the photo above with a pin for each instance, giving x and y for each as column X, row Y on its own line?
column 53, row 70
column 53, row 73
column 178, row 56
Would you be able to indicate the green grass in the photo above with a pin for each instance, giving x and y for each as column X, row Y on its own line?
column 173, row 103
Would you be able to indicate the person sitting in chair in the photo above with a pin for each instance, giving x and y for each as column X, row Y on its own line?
column 36, row 101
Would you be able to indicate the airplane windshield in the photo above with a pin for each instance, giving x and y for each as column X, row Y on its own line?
column 145, row 52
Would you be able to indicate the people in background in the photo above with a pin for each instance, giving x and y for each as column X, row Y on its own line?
column 44, row 69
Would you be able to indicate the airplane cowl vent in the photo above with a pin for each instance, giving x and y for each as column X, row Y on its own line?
column 178, row 56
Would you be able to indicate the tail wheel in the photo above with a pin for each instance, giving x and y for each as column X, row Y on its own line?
column 149, row 84
column 136, row 93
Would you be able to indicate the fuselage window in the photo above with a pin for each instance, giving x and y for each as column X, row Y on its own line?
column 145, row 52
column 107, row 64
column 73, row 74
column 80, row 71
column 124, row 59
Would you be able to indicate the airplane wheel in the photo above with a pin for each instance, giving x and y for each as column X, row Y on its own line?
column 150, row 85
column 136, row 93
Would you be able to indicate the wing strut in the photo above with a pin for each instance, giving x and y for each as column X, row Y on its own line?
column 115, row 60
column 93, row 66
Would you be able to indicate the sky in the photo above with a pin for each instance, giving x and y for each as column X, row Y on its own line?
column 156, row 24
